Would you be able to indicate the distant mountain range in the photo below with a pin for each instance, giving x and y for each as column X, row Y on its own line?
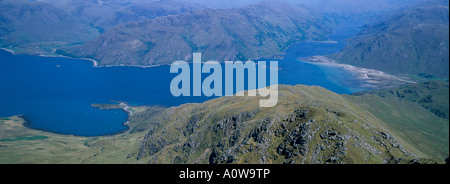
column 413, row 41
column 107, row 14
column 354, row 9
column 40, row 27
column 255, row 31
column 43, row 26
column 142, row 33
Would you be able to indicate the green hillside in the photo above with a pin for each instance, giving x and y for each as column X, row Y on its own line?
column 309, row 125
column 432, row 95
column 43, row 26
column 418, row 113
column 411, row 42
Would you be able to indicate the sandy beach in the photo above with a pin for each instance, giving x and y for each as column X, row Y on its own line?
column 7, row 50
column 367, row 78
column 95, row 63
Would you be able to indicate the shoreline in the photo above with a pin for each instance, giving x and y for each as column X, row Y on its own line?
column 125, row 107
column 326, row 41
column 27, row 124
column 7, row 50
column 322, row 60
column 370, row 78
column 95, row 63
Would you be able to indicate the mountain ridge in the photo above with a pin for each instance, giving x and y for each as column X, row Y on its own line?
column 255, row 31
column 412, row 42
column 302, row 128
column 40, row 27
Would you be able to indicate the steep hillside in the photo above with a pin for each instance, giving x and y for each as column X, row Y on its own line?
column 263, row 30
column 107, row 14
column 43, row 26
column 38, row 27
column 433, row 95
column 349, row 7
column 413, row 41
column 418, row 113
column 358, row 10
column 220, row 4
column 309, row 125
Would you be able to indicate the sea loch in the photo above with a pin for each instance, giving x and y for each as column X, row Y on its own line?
column 55, row 94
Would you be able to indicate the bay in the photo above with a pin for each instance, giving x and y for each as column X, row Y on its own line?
column 55, row 93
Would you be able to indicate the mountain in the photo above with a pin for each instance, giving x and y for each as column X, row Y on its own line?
column 411, row 42
column 416, row 112
column 349, row 7
column 358, row 10
column 432, row 95
column 342, row 7
column 38, row 26
column 106, row 14
column 255, row 31
column 220, row 4
column 309, row 125
column 43, row 26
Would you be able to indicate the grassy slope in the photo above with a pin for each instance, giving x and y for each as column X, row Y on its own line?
column 432, row 95
column 416, row 112
column 309, row 125
column 413, row 123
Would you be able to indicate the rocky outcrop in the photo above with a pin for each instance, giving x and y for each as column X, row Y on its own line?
column 309, row 130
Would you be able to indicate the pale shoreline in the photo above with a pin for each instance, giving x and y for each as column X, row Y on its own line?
column 326, row 41
column 94, row 62
column 124, row 106
column 371, row 77
column 7, row 50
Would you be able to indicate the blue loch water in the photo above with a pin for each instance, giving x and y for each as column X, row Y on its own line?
column 55, row 94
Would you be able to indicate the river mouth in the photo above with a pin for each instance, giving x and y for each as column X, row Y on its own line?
column 55, row 94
